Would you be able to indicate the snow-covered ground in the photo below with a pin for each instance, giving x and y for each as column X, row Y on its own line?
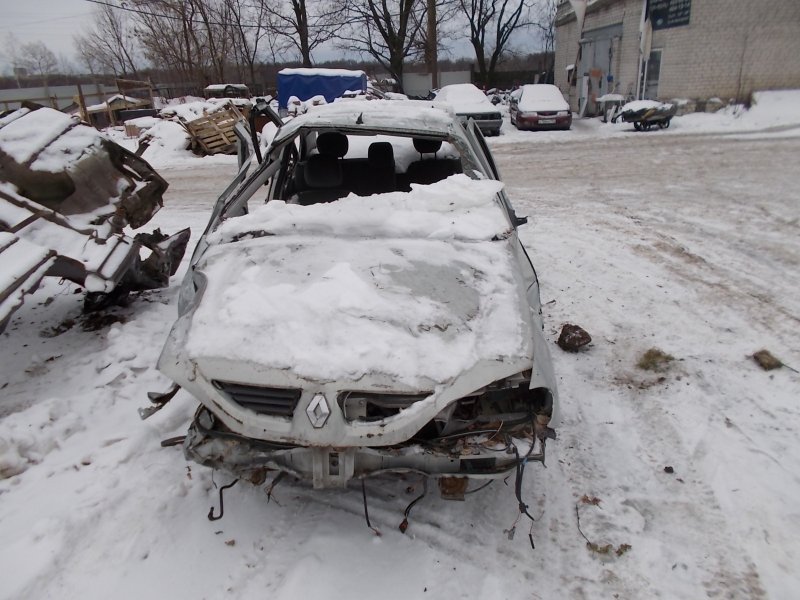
column 687, row 243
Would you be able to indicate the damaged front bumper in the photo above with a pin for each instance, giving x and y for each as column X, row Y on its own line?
column 475, row 454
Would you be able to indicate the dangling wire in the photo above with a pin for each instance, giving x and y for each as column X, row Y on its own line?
column 211, row 516
column 272, row 485
column 407, row 511
column 520, row 471
column 366, row 510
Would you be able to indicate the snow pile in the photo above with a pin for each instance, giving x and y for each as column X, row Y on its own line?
column 143, row 123
column 769, row 109
column 190, row 111
column 295, row 106
column 638, row 105
column 27, row 437
column 47, row 135
column 456, row 208
column 168, row 140
column 419, row 312
column 365, row 285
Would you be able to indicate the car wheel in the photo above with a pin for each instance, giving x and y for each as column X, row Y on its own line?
column 637, row 125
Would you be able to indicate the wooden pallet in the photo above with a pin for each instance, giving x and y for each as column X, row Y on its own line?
column 213, row 134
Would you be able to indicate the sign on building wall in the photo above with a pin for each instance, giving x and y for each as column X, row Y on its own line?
column 670, row 13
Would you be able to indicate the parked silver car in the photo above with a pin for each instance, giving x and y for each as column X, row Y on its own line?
column 360, row 303
column 471, row 103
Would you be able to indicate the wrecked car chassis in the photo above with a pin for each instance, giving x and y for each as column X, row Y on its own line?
column 476, row 454
column 480, row 435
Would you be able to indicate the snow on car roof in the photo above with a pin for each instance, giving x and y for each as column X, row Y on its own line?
column 542, row 91
column 465, row 98
column 386, row 115
column 462, row 92
column 455, row 208
column 542, row 96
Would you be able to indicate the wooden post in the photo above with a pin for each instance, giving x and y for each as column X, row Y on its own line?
column 432, row 53
column 82, row 104
column 110, row 112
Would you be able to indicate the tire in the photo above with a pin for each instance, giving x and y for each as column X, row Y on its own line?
column 637, row 125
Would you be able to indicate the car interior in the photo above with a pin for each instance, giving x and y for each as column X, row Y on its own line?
column 333, row 168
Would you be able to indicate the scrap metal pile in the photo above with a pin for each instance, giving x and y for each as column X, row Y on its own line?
column 66, row 195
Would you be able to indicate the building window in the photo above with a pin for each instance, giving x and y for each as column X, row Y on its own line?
column 650, row 74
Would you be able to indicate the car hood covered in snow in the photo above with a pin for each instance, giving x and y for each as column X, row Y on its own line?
column 408, row 289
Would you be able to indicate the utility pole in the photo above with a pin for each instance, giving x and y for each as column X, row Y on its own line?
column 432, row 52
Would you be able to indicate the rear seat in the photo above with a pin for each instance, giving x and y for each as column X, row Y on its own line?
column 326, row 176
column 321, row 174
column 430, row 170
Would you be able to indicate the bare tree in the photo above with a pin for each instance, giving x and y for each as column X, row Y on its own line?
column 303, row 25
column 172, row 38
column 439, row 26
column 546, row 24
column 215, row 29
column 109, row 46
column 249, row 27
column 491, row 24
column 37, row 59
column 387, row 30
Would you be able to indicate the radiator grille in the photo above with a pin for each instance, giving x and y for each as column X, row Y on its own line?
column 277, row 402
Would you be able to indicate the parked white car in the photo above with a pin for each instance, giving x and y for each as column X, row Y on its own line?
column 360, row 303
column 471, row 103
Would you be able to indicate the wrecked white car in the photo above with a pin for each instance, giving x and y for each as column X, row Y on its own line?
column 67, row 194
column 360, row 304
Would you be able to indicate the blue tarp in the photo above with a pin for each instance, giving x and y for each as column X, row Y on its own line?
column 307, row 83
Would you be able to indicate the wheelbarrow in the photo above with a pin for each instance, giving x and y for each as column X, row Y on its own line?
column 645, row 114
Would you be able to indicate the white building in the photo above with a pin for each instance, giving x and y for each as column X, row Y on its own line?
column 698, row 50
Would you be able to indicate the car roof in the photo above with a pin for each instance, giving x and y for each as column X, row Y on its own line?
column 542, row 91
column 379, row 116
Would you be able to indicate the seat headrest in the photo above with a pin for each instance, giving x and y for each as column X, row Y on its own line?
column 380, row 155
column 323, row 171
column 332, row 143
column 424, row 146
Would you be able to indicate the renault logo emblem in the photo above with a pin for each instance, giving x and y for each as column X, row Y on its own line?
column 318, row 411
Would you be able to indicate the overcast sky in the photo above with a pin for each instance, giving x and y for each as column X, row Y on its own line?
column 50, row 21
column 54, row 22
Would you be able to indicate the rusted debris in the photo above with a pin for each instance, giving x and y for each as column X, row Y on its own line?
column 573, row 338
column 766, row 360
column 66, row 193
column 655, row 360
column 453, row 488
